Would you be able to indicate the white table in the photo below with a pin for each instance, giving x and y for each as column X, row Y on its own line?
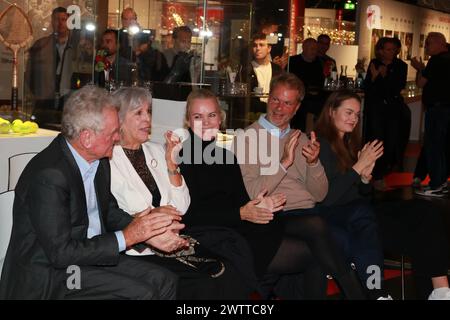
column 13, row 144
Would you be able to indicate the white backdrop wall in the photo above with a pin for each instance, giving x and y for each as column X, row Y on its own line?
column 407, row 21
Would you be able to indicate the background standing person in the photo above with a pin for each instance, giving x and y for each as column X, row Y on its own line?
column 308, row 68
column 386, row 77
column 118, row 67
column 50, row 68
column 181, row 60
column 436, row 97
column 127, row 36
column 261, row 70
column 328, row 63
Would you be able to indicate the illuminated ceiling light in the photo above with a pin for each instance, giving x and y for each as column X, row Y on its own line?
column 280, row 34
column 90, row 26
column 239, row 37
column 133, row 29
column 44, row 29
column 206, row 33
column 196, row 29
column 147, row 31
column 281, row 9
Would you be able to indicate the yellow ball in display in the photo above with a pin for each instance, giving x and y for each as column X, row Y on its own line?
column 5, row 126
column 17, row 126
column 25, row 127
column 17, row 122
column 34, row 127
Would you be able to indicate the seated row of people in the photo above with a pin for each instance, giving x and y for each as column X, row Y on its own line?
column 241, row 229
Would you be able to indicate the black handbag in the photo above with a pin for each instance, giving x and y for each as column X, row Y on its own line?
column 195, row 256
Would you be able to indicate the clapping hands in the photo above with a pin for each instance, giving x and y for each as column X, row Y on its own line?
column 367, row 158
column 311, row 150
column 381, row 70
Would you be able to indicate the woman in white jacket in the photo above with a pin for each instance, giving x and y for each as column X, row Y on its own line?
column 145, row 174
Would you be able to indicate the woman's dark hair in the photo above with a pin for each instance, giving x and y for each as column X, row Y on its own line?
column 347, row 148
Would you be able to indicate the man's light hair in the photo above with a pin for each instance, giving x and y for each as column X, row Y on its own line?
column 289, row 80
column 84, row 110
column 131, row 98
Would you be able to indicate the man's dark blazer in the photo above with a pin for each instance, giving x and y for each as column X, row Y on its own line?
column 41, row 66
column 311, row 73
column 50, row 224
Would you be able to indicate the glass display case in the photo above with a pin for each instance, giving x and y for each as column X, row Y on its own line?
column 67, row 53
column 36, row 61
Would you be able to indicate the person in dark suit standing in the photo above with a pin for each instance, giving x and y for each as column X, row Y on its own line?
column 68, row 232
column 50, row 68
column 127, row 35
column 120, row 69
column 308, row 68
column 183, row 62
column 433, row 78
column 328, row 63
column 384, row 110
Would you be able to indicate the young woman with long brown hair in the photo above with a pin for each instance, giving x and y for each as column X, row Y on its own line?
column 411, row 227
column 349, row 171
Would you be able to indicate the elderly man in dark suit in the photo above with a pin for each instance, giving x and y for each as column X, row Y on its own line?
column 68, row 225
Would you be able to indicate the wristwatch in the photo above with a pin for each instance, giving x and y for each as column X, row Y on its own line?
column 174, row 172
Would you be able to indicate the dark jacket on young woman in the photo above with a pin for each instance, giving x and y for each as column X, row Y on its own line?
column 409, row 227
column 217, row 193
column 343, row 187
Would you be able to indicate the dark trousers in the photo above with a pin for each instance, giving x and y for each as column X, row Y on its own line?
column 421, row 170
column 415, row 228
column 390, row 123
column 437, row 119
column 314, row 230
column 132, row 278
column 355, row 230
